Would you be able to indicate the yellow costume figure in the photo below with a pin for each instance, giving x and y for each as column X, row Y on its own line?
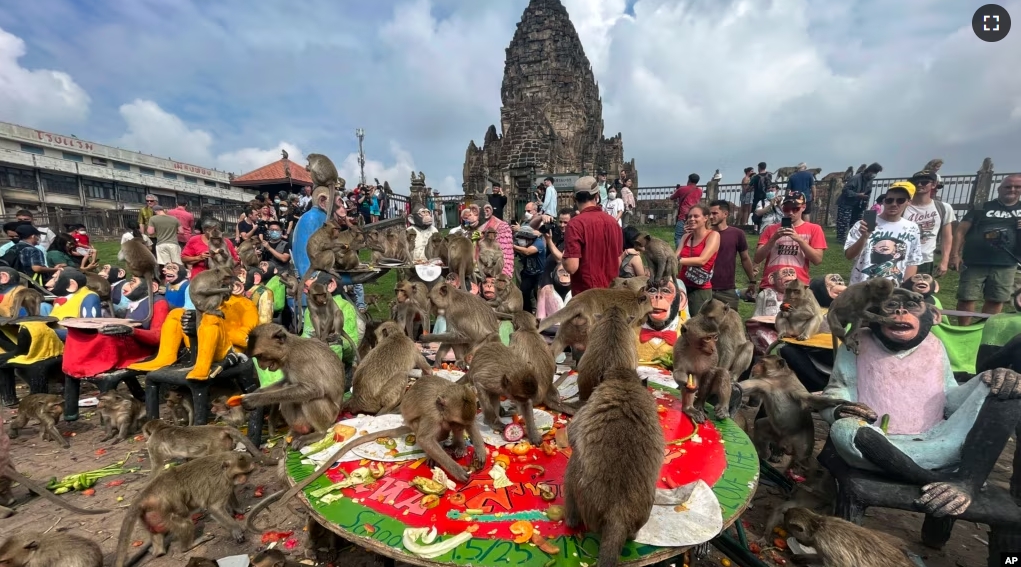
column 658, row 334
column 45, row 344
column 73, row 306
column 216, row 337
column 263, row 298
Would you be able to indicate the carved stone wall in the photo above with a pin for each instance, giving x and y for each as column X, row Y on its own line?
column 551, row 121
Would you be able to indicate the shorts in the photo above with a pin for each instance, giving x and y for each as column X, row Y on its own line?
column 167, row 253
column 989, row 283
column 746, row 198
column 728, row 296
column 808, row 209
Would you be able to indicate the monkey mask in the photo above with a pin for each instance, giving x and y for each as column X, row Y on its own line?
column 254, row 278
column 134, row 289
column 421, row 218
column 924, row 285
column 912, row 321
column 324, row 278
column 827, row 288
column 9, row 279
column 113, row 274
column 66, row 281
column 173, row 275
column 667, row 302
column 561, row 280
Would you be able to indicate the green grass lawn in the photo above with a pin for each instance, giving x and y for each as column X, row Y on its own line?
column 833, row 262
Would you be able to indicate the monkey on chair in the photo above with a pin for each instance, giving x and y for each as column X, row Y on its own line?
column 141, row 263
column 209, row 289
column 327, row 318
column 800, row 315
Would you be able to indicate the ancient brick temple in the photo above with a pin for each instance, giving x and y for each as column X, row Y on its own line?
column 551, row 121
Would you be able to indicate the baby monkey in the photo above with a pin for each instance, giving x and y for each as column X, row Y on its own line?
column 120, row 415
column 28, row 549
column 180, row 407
column 327, row 318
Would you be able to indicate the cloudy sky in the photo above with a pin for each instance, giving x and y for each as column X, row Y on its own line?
column 693, row 85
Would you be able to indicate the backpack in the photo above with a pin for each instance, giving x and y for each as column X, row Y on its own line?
column 12, row 258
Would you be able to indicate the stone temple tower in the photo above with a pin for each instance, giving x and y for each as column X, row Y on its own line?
column 551, row 122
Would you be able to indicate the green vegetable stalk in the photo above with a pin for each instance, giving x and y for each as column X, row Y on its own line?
column 82, row 481
column 884, row 423
column 666, row 361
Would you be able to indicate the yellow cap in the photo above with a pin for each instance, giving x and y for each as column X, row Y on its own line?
column 906, row 186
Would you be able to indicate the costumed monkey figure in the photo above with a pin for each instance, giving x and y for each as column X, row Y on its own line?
column 924, row 285
column 659, row 333
column 175, row 277
column 254, row 284
column 934, row 425
column 422, row 227
column 18, row 299
column 116, row 276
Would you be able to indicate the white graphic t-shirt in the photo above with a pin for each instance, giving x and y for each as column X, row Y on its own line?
column 929, row 226
column 614, row 207
column 891, row 248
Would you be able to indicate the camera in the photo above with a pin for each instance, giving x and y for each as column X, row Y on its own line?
column 997, row 237
column 545, row 228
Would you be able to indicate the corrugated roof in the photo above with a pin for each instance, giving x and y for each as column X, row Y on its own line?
column 275, row 172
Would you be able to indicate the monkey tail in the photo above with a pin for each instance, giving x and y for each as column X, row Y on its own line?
column 557, row 318
column 299, row 296
column 41, row 491
column 611, row 542
column 124, row 538
column 238, row 437
column 553, row 403
column 281, row 495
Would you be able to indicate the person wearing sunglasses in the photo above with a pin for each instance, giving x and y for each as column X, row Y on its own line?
column 892, row 247
column 789, row 247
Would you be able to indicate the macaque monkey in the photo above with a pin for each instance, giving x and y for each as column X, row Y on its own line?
column 839, row 543
column 48, row 410
column 411, row 302
column 219, row 256
column 55, row 549
column 323, row 173
column 209, row 289
column 98, row 284
column 611, row 345
column 461, row 256
column 375, row 242
column 572, row 333
column 788, row 424
column 696, row 356
column 634, row 284
column 120, row 415
column 201, row 562
column 508, row 300
column 249, row 253
column 273, row 558
column 232, row 416
column 800, row 315
column 348, row 257
column 735, row 350
column 434, row 410
column 490, row 255
column 165, row 442
column 618, row 425
column 381, row 378
column 312, row 390
column 469, row 321
column 660, row 258
column 141, row 263
column 180, row 407
column 853, row 306
column 579, row 315
column 165, row 505
column 437, row 248
column 327, row 318
column 527, row 343
column 396, row 245
column 324, row 253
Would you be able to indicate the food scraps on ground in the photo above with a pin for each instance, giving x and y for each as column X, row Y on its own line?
column 544, row 544
column 440, row 476
column 457, row 499
column 428, row 485
column 88, row 479
column 376, row 470
column 271, row 536
column 555, row 513
column 420, row 542
column 523, row 530
column 546, row 492
column 499, row 476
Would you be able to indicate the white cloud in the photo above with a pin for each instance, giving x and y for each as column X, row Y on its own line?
column 39, row 98
column 155, row 131
column 398, row 174
column 246, row 159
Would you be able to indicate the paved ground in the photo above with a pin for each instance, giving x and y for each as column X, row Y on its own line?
column 44, row 460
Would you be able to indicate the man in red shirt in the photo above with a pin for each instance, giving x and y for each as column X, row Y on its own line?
column 789, row 248
column 686, row 197
column 186, row 222
column 592, row 236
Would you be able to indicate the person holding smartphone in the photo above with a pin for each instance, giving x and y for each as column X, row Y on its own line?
column 791, row 247
column 886, row 245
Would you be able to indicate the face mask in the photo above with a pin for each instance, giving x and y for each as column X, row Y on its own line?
column 274, row 234
column 528, row 215
column 82, row 231
column 277, row 201
column 466, row 223
column 770, row 195
column 613, row 195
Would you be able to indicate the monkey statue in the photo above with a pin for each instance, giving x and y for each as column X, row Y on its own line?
column 659, row 333
column 422, row 228
column 924, row 285
column 78, row 299
column 17, row 296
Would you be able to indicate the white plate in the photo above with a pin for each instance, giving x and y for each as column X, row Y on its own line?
column 657, row 376
column 569, row 389
column 543, row 422
column 701, row 522
column 369, row 423
column 88, row 402
column 561, row 368
column 452, row 375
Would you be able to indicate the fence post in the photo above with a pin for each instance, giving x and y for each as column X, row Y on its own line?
column 836, row 188
column 983, row 184
column 712, row 190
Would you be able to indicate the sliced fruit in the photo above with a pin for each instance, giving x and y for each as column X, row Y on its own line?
column 544, row 544
column 234, row 401
column 430, row 501
column 513, row 432
column 428, row 485
column 523, row 531
column 555, row 513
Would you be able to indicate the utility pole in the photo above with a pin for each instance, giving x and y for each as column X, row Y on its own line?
column 361, row 152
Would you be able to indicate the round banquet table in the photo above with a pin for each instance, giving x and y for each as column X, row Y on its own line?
column 375, row 516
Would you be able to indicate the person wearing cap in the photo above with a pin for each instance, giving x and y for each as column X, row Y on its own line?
column 893, row 248
column 165, row 228
column 532, row 251
column 980, row 250
column 789, row 251
column 601, row 185
column 46, row 235
column 146, row 213
column 32, row 260
column 935, row 223
column 592, row 241
column 686, row 197
column 498, row 200
column 803, row 181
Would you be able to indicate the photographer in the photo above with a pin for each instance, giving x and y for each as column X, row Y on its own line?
column 987, row 271
column 532, row 251
column 553, row 237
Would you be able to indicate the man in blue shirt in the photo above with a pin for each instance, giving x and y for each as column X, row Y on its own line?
column 531, row 250
column 803, row 181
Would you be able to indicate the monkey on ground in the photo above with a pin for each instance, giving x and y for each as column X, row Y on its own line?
column 853, row 306
column 434, row 410
column 180, row 407
column 490, row 254
column 141, row 263
column 696, row 354
column 469, row 321
column 611, row 345
column 120, row 415
column 735, row 350
column 508, row 300
column 461, row 258
column 411, row 303
column 312, row 390
column 272, row 558
column 165, row 442
column 381, row 378
column 588, row 304
column 209, row 289
column 437, row 248
column 165, row 505
column 327, row 318
column 839, row 543
column 201, row 562
column 660, row 258
column 788, row 424
column 8, row 475
column 236, row 416
column 28, row 549
column 48, row 410
column 619, row 424
column 800, row 315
